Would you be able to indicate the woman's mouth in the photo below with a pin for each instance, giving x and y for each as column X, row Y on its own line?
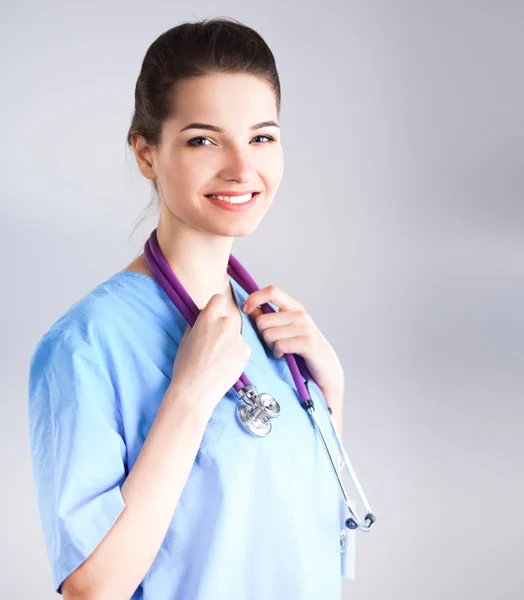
column 234, row 203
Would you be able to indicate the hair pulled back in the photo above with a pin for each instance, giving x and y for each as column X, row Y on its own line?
column 188, row 51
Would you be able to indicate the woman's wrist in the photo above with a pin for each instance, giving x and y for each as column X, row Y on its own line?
column 189, row 401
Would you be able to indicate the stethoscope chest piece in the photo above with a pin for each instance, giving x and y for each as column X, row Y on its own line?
column 256, row 411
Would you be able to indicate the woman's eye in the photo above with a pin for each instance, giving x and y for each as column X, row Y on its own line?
column 192, row 141
column 196, row 138
column 268, row 137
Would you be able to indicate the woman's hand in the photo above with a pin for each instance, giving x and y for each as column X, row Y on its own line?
column 293, row 331
column 211, row 356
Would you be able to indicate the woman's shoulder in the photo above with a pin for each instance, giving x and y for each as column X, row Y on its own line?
column 109, row 307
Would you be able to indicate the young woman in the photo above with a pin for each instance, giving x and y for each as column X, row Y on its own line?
column 148, row 486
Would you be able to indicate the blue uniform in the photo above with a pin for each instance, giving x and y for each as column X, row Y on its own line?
column 258, row 518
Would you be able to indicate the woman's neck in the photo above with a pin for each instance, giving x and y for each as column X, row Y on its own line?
column 201, row 271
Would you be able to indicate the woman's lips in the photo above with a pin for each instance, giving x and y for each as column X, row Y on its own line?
column 234, row 207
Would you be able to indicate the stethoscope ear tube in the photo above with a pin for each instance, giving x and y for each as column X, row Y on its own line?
column 352, row 522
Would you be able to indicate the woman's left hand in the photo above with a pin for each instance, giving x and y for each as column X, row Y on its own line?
column 293, row 331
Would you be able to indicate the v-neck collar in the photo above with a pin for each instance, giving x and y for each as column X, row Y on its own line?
column 267, row 362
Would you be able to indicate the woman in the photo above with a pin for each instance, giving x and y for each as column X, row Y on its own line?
column 148, row 486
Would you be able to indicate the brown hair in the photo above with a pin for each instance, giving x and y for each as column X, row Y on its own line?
column 190, row 50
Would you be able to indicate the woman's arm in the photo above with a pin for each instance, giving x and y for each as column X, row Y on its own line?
column 151, row 492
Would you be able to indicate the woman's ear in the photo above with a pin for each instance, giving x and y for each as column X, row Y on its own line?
column 143, row 156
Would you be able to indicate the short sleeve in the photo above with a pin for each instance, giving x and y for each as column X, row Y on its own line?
column 78, row 452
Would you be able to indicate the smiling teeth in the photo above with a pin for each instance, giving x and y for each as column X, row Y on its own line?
column 233, row 199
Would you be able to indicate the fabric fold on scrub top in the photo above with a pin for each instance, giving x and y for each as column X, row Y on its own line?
column 258, row 518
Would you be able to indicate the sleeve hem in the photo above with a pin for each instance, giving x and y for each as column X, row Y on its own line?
column 72, row 555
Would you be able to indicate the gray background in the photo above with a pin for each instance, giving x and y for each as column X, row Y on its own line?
column 403, row 131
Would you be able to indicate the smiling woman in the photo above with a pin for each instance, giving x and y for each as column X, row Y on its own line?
column 238, row 154
column 148, row 486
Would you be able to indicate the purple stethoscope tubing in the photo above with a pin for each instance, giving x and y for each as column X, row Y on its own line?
column 190, row 311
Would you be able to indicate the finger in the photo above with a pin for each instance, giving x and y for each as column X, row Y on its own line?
column 273, row 294
column 255, row 313
column 218, row 304
column 186, row 334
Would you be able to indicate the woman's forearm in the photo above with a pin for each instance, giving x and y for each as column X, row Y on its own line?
column 151, row 492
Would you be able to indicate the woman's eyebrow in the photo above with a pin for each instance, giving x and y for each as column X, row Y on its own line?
column 220, row 130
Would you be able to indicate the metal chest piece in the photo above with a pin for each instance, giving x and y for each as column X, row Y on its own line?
column 256, row 410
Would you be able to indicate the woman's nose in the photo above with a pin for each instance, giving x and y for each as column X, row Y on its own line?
column 238, row 165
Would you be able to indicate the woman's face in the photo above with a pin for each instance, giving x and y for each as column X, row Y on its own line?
column 245, row 156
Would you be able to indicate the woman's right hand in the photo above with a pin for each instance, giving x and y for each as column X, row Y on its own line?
column 210, row 358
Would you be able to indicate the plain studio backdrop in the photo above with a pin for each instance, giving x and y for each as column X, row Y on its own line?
column 403, row 191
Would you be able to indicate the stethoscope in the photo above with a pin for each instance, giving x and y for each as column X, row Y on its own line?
column 258, row 409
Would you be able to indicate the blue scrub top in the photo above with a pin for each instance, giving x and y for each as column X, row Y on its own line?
column 258, row 518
